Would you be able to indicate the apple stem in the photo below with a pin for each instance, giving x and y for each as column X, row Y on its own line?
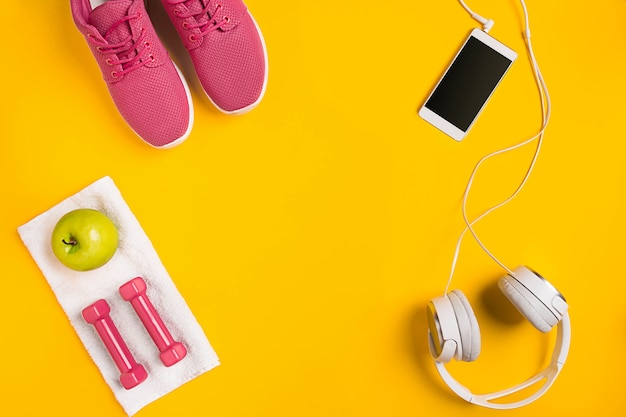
column 71, row 242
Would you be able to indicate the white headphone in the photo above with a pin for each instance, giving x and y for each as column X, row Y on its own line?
column 453, row 332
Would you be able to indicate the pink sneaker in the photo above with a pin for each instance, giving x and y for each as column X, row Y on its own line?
column 227, row 49
column 145, row 85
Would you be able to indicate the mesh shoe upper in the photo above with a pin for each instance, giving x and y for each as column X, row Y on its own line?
column 226, row 47
column 143, row 82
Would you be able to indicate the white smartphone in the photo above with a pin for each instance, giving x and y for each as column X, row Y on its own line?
column 461, row 94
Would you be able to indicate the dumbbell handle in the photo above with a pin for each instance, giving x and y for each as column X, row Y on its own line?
column 132, row 373
column 135, row 292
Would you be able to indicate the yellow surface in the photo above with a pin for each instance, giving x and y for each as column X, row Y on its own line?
column 308, row 235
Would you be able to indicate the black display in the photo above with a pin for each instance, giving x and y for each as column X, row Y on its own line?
column 468, row 83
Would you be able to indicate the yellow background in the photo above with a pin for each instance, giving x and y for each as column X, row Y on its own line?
column 308, row 235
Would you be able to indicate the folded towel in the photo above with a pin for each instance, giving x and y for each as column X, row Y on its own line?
column 135, row 257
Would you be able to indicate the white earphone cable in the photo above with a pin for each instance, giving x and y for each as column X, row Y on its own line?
column 546, row 107
column 487, row 23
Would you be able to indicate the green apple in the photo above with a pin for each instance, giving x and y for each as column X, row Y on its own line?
column 84, row 239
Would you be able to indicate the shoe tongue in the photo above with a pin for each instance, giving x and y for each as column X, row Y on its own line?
column 106, row 16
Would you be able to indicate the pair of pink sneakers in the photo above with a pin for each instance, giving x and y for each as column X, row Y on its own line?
column 223, row 40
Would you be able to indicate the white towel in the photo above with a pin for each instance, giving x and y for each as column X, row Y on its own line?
column 135, row 257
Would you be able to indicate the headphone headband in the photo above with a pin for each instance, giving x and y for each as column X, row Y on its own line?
column 559, row 355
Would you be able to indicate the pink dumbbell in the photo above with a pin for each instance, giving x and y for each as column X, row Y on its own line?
column 132, row 373
column 135, row 292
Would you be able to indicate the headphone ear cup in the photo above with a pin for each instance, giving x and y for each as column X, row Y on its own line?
column 443, row 331
column 527, row 304
column 468, row 325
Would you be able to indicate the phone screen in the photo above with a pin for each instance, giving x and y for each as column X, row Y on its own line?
column 469, row 81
